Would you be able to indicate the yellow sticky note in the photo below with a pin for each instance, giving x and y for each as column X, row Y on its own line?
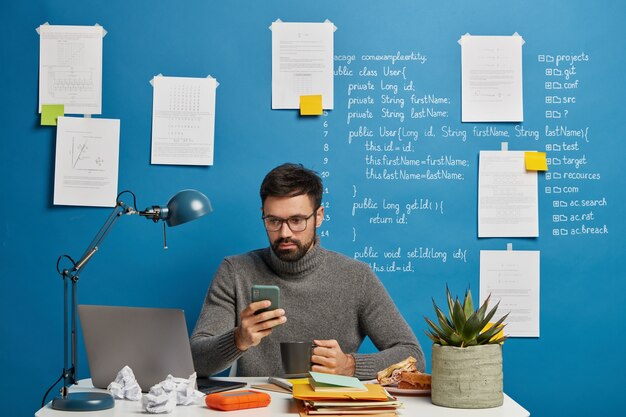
column 535, row 161
column 50, row 112
column 311, row 105
column 496, row 336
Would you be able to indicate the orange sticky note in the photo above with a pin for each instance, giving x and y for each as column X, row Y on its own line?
column 535, row 161
column 311, row 105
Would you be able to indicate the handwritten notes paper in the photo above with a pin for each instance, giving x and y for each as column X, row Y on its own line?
column 183, row 120
column 507, row 196
column 302, row 63
column 491, row 78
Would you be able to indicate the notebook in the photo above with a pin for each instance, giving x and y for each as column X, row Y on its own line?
column 152, row 341
column 321, row 382
column 374, row 392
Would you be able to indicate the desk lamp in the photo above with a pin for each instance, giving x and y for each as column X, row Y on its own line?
column 184, row 206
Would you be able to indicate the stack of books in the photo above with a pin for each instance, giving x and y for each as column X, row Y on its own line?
column 335, row 395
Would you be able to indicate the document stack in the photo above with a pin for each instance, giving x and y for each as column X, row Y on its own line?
column 333, row 395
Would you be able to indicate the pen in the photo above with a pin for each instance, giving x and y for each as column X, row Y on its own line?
column 281, row 382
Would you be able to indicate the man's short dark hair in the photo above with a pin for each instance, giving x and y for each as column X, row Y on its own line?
column 290, row 180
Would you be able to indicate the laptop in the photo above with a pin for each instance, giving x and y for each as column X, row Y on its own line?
column 153, row 342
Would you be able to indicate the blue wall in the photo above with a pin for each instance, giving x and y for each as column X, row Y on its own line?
column 582, row 277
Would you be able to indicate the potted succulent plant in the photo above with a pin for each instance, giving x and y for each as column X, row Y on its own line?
column 467, row 355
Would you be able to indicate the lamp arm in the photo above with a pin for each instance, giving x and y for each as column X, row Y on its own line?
column 70, row 350
column 120, row 209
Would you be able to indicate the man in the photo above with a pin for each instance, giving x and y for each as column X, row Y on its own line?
column 327, row 298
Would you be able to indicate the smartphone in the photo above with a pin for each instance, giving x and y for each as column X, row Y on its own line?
column 266, row 292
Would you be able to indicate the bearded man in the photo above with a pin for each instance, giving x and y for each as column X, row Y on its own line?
column 327, row 298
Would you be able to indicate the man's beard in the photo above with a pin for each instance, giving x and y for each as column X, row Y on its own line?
column 291, row 255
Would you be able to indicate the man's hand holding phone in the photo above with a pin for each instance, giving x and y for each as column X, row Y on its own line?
column 259, row 318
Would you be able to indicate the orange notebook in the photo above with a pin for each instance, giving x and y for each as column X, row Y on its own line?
column 374, row 392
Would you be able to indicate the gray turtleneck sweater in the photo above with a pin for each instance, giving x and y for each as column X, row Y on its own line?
column 325, row 295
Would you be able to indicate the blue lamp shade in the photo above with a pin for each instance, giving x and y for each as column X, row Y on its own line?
column 185, row 206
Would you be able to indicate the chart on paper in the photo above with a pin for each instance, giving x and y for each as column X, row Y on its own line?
column 86, row 163
column 87, row 155
column 70, row 68
column 183, row 120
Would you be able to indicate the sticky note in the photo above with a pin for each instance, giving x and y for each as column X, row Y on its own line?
column 535, row 161
column 311, row 105
column 50, row 112
column 496, row 336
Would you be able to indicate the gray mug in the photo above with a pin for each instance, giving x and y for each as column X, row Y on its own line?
column 296, row 357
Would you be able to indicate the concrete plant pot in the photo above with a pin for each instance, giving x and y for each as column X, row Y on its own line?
column 469, row 377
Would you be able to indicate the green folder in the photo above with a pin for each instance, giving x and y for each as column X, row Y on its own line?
column 330, row 382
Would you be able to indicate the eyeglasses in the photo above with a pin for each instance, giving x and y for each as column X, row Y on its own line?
column 295, row 223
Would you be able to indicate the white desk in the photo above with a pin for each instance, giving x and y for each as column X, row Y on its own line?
column 282, row 405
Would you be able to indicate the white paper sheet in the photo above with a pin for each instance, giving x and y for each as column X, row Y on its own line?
column 512, row 277
column 70, row 68
column 302, row 63
column 507, row 196
column 492, row 78
column 183, row 120
column 86, row 164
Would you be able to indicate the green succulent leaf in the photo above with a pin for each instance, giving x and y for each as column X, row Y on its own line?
column 440, row 333
column 444, row 323
column 472, row 327
column 482, row 309
column 450, row 302
column 501, row 320
column 499, row 340
column 458, row 317
column 468, row 304
column 433, row 337
column 455, row 340
column 470, row 342
column 491, row 313
column 484, row 337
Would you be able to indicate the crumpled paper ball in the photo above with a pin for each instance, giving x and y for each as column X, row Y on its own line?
column 125, row 385
column 165, row 395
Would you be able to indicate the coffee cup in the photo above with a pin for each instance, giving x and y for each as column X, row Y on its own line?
column 296, row 358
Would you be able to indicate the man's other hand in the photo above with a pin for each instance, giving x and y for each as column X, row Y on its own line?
column 329, row 358
column 254, row 328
